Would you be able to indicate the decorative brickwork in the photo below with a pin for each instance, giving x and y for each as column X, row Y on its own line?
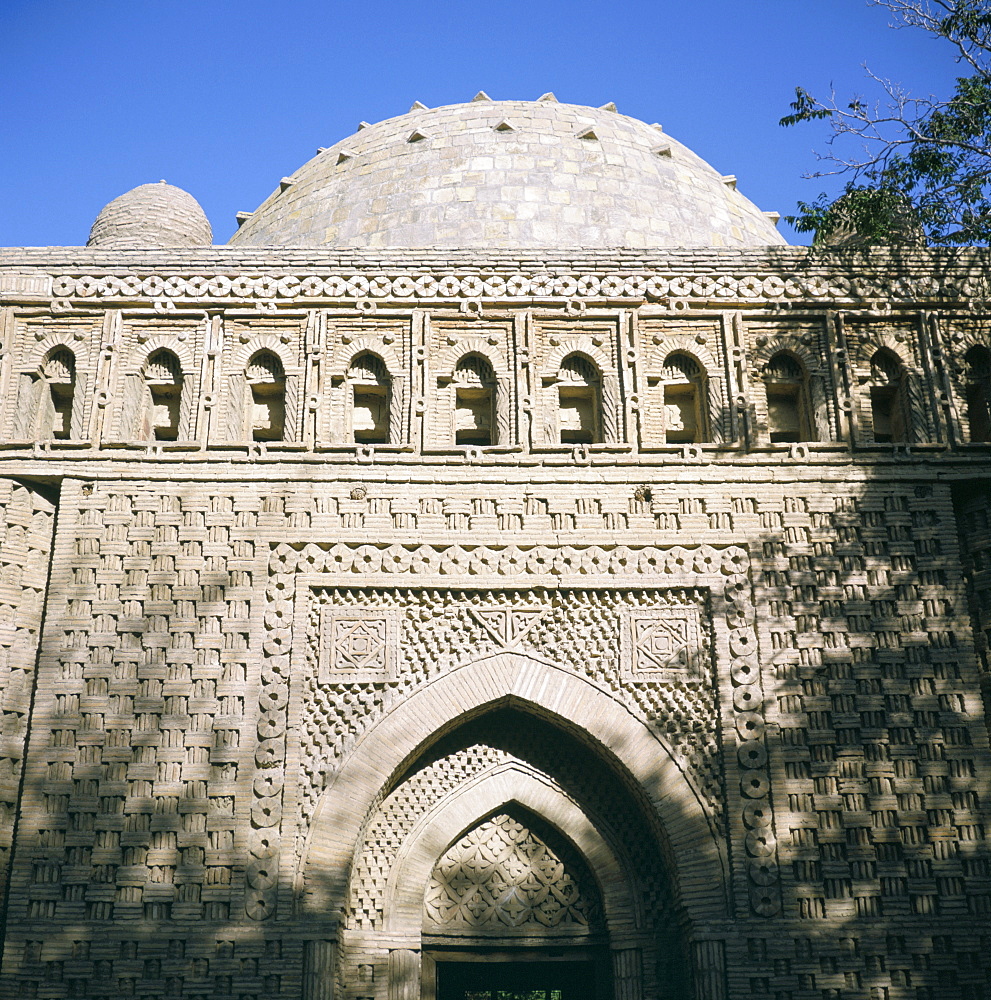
column 502, row 874
column 394, row 605
column 26, row 523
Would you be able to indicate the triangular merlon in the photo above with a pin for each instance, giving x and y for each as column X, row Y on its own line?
column 774, row 217
column 343, row 155
column 588, row 133
column 418, row 106
column 504, row 126
column 664, row 150
column 322, row 149
column 415, row 136
column 242, row 218
column 480, row 96
column 611, row 106
column 286, row 182
column 730, row 181
column 362, row 125
column 548, row 97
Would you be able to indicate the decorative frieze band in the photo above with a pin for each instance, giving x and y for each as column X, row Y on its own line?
column 272, row 287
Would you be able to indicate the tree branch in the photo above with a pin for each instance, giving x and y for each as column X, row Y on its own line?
column 924, row 154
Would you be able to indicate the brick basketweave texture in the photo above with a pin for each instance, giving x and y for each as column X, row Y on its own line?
column 506, row 555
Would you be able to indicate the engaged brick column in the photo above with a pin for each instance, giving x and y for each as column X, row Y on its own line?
column 627, row 971
column 404, row 974
column 318, row 970
column 710, row 970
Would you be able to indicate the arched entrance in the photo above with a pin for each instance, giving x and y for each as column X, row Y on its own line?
column 507, row 845
column 512, row 893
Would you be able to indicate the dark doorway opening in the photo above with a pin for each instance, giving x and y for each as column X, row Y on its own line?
column 516, row 981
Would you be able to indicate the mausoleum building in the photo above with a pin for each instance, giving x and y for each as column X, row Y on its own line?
column 506, row 568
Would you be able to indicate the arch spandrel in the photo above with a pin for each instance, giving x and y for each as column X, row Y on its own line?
column 695, row 860
column 467, row 345
column 139, row 355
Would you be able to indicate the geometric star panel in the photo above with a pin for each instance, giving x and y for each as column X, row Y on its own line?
column 660, row 642
column 357, row 644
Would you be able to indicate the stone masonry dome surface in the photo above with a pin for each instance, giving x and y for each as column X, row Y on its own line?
column 513, row 174
column 149, row 216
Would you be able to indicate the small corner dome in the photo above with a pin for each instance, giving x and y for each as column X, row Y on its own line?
column 150, row 216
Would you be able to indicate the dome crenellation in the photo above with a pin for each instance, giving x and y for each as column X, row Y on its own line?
column 507, row 174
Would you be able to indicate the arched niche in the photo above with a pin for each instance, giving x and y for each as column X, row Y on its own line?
column 573, row 704
column 579, row 401
column 48, row 404
column 887, row 397
column 509, row 868
column 266, row 396
column 497, row 791
column 60, row 376
column 473, row 388
column 684, row 398
column 370, row 399
column 258, row 394
column 162, row 414
column 157, row 395
column 786, row 390
column 978, row 393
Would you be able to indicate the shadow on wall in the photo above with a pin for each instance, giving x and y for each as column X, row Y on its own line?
column 877, row 754
column 861, row 732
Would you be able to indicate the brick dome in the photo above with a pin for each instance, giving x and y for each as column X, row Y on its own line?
column 151, row 215
column 490, row 174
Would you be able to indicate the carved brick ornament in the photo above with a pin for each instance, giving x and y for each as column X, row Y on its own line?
column 439, row 286
column 356, row 645
column 502, row 874
column 658, row 641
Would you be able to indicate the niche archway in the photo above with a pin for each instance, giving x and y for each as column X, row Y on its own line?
column 474, row 387
column 579, row 409
column 266, row 397
column 48, row 404
column 786, row 388
column 510, row 842
column 580, row 721
column 509, row 864
column 370, row 403
column 157, row 400
column 684, row 399
column 978, row 393
column 887, row 397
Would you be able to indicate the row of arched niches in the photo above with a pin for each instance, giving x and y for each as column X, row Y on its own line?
column 666, row 385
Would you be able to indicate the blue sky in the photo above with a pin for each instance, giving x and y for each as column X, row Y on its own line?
column 224, row 98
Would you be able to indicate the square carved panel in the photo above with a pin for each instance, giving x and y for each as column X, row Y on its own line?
column 357, row 644
column 660, row 642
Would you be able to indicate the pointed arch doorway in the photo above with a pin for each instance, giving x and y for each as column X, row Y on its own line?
column 509, row 846
column 558, row 755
